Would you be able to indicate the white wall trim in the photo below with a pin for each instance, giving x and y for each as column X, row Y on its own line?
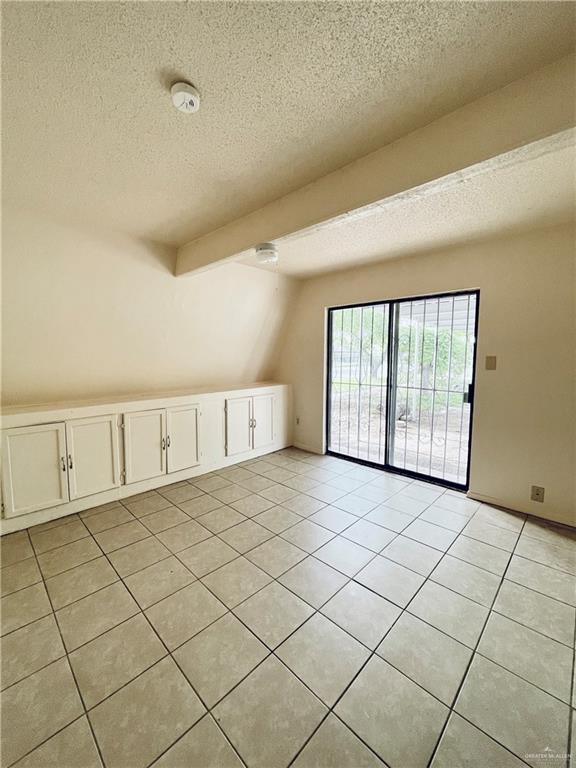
column 527, row 508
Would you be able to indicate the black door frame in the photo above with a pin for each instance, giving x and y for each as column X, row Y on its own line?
column 390, row 389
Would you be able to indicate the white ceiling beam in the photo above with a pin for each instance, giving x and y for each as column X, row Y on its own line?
column 525, row 111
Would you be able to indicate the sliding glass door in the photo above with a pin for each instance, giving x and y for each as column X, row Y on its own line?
column 400, row 384
column 358, row 381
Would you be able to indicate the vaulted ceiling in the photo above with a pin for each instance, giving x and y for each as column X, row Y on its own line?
column 290, row 90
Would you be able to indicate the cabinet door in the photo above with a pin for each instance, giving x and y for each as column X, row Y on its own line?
column 182, row 437
column 238, row 429
column 34, row 468
column 263, row 420
column 93, row 463
column 145, row 444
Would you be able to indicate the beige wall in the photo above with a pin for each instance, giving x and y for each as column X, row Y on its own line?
column 525, row 411
column 86, row 315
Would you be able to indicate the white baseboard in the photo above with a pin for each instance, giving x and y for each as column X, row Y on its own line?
column 521, row 508
column 307, row 448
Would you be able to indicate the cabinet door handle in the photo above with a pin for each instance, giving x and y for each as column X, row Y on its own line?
column 70, row 464
column 254, row 423
column 63, row 462
column 168, row 441
column 163, row 444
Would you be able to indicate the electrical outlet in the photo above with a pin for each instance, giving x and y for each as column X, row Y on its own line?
column 537, row 493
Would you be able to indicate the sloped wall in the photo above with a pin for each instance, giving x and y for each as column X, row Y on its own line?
column 524, row 429
column 87, row 315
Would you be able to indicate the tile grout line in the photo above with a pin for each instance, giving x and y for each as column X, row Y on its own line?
column 331, row 709
column 66, row 652
column 73, row 675
column 374, row 653
column 272, row 652
column 353, row 578
column 67, row 657
column 275, row 579
column 168, row 654
column 472, row 657
column 537, row 591
column 175, row 554
column 316, row 610
column 534, row 685
column 536, row 631
column 257, row 545
column 171, row 656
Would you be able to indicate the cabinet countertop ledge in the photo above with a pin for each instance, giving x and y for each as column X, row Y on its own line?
column 120, row 403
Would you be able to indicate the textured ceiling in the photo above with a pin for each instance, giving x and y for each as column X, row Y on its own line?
column 537, row 192
column 290, row 92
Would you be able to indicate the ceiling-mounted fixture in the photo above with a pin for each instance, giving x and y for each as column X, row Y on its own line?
column 267, row 253
column 185, row 97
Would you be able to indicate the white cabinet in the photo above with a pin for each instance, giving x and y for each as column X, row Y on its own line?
column 238, row 425
column 144, row 444
column 51, row 464
column 160, row 441
column 93, row 455
column 62, row 459
column 212, row 432
column 249, row 423
column 34, row 468
column 182, row 437
column 263, row 420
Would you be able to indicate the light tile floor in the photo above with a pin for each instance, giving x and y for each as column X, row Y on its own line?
column 294, row 610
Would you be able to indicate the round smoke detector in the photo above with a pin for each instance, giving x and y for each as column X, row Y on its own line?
column 267, row 253
column 185, row 97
